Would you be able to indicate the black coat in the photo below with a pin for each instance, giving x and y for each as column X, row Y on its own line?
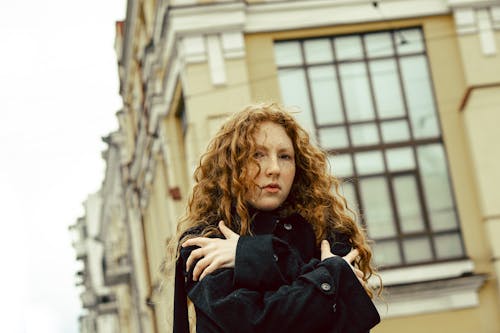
column 278, row 284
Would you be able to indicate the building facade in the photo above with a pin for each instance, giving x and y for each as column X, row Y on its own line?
column 403, row 95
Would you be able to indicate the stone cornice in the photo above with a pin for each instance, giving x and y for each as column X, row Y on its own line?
column 431, row 296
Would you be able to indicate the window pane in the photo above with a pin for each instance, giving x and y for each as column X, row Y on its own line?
column 348, row 47
column 409, row 41
column 400, row 159
column 318, row 50
column 294, row 92
column 437, row 189
column 341, row 165
column 333, row 137
column 356, row 92
column 417, row 250
column 408, row 204
column 394, row 131
column 369, row 162
column 419, row 97
column 377, row 207
column 386, row 253
column 387, row 88
column 364, row 134
column 448, row 246
column 288, row 53
column 379, row 44
column 325, row 93
column 347, row 190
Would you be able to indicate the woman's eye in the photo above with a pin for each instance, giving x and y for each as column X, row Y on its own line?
column 286, row 157
column 258, row 154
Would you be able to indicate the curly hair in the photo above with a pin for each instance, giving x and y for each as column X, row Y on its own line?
column 222, row 183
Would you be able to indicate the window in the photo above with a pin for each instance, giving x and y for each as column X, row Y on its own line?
column 368, row 100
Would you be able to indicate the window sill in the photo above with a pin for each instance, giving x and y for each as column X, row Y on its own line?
column 429, row 288
column 426, row 272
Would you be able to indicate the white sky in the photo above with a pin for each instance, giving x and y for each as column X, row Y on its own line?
column 58, row 97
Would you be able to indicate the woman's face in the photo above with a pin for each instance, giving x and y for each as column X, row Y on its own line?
column 276, row 157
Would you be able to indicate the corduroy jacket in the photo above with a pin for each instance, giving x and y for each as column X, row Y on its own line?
column 278, row 284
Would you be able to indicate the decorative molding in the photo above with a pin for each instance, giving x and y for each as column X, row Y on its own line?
column 421, row 273
column 233, row 44
column 432, row 296
column 495, row 16
column 486, row 35
column 465, row 20
column 207, row 19
column 316, row 13
column 216, row 60
column 481, row 17
column 192, row 49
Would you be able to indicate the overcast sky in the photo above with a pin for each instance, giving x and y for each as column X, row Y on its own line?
column 58, row 97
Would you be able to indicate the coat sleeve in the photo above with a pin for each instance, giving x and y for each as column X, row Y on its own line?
column 265, row 262
column 308, row 303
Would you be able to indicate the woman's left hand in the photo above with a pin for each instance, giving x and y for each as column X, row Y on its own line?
column 214, row 253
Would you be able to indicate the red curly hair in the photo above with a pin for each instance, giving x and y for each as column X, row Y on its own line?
column 222, row 183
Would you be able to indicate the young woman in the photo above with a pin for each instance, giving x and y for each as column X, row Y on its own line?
column 268, row 244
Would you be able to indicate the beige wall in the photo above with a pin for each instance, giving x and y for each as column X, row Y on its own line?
column 479, row 68
column 205, row 103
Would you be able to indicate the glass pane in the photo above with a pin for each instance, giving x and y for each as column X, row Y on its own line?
column 409, row 41
column 400, row 159
column 287, row 53
column 333, row 138
column 448, row 246
column 294, row 93
column 348, row 47
column 377, row 207
column 379, row 44
column 435, row 179
column 364, row 134
column 386, row 253
column 369, row 162
column 325, row 93
column 356, row 91
column 394, row 131
column 419, row 97
column 417, row 250
column 347, row 190
column 387, row 88
column 408, row 204
column 318, row 50
column 341, row 165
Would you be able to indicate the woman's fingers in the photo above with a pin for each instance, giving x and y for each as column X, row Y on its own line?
column 213, row 253
column 193, row 256
column 209, row 269
column 200, row 267
column 228, row 233
column 358, row 273
column 197, row 241
column 325, row 250
column 351, row 256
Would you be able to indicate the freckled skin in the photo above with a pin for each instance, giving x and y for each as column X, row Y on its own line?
column 276, row 157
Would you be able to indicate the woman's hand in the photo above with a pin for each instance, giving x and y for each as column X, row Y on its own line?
column 214, row 253
column 349, row 258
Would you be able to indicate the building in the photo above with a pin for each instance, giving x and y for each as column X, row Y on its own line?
column 405, row 96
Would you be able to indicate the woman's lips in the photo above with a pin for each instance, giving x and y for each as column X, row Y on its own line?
column 272, row 188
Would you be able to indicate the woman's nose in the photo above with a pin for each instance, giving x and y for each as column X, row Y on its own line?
column 273, row 167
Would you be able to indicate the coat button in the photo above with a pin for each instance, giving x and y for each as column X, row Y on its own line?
column 325, row 286
column 287, row 226
column 334, row 307
column 275, row 257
